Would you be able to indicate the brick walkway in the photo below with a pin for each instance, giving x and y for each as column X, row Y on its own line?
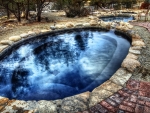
column 134, row 98
column 142, row 24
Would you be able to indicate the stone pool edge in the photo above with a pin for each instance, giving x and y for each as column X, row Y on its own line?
column 85, row 100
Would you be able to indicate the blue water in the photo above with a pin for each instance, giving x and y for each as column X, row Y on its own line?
column 63, row 65
column 117, row 18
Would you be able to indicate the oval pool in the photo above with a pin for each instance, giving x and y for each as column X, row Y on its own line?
column 117, row 18
column 61, row 64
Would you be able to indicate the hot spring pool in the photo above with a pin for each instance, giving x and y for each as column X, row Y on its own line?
column 117, row 18
column 60, row 64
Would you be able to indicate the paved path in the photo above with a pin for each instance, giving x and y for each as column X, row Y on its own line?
column 134, row 98
column 142, row 24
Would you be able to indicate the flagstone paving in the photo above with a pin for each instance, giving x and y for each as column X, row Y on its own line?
column 142, row 24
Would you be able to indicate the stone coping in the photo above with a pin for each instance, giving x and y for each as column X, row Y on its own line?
column 86, row 100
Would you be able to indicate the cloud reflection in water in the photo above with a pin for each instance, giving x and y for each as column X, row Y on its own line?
column 62, row 65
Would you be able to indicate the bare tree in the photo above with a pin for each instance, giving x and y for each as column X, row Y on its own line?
column 13, row 6
column 40, row 5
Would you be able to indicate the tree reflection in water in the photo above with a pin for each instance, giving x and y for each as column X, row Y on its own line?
column 58, row 66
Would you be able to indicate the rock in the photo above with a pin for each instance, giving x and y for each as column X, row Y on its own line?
column 24, row 35
column 137, row 52
column 122, row 23
column 124, row 28
column 121, row 77
column 37, row 31
column 130, row 64
column 136, row 39
column 136, row 47
column 130, row 26
column 31, row 33
column 75, row 103
column 138, row 43
column 98, row 95
column 60, row 26
column 105, row 24
column 6, row 42
column 93, row 23
column 79, row 24
column 69, row 25
column 114, row 25
column 86, row 24
column 14, row 38
column 109, row 86
column 3, row 47
column 132, row 56
column 135, row 36
column 119, row 27
column 93, row 18
column 52, row 27
column 46, row 107
column 94, row 100
column 44, row 30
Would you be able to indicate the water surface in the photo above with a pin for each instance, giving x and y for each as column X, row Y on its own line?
column 57, row 66
column 117, row 18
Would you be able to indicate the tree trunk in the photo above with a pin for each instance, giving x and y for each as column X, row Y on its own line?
column 39, row 16
column 7, row 10
column 27, row 10
column 18, row 13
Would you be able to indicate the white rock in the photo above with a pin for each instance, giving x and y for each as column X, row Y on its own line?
column 60, row 26
column 6, row 42
column 122, row 23
column 103, row 24
column 24, row 35
column 44, row 30
column 69, row 25
column 79, row 24
column 86, row 24
column 31, row 33
column 137, row 52
column 92, row 17
column 52, row 27
column 14, row 38
column 93, row 23
column 130, row 26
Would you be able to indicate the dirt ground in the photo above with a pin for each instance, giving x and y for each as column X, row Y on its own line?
column 12, row 27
